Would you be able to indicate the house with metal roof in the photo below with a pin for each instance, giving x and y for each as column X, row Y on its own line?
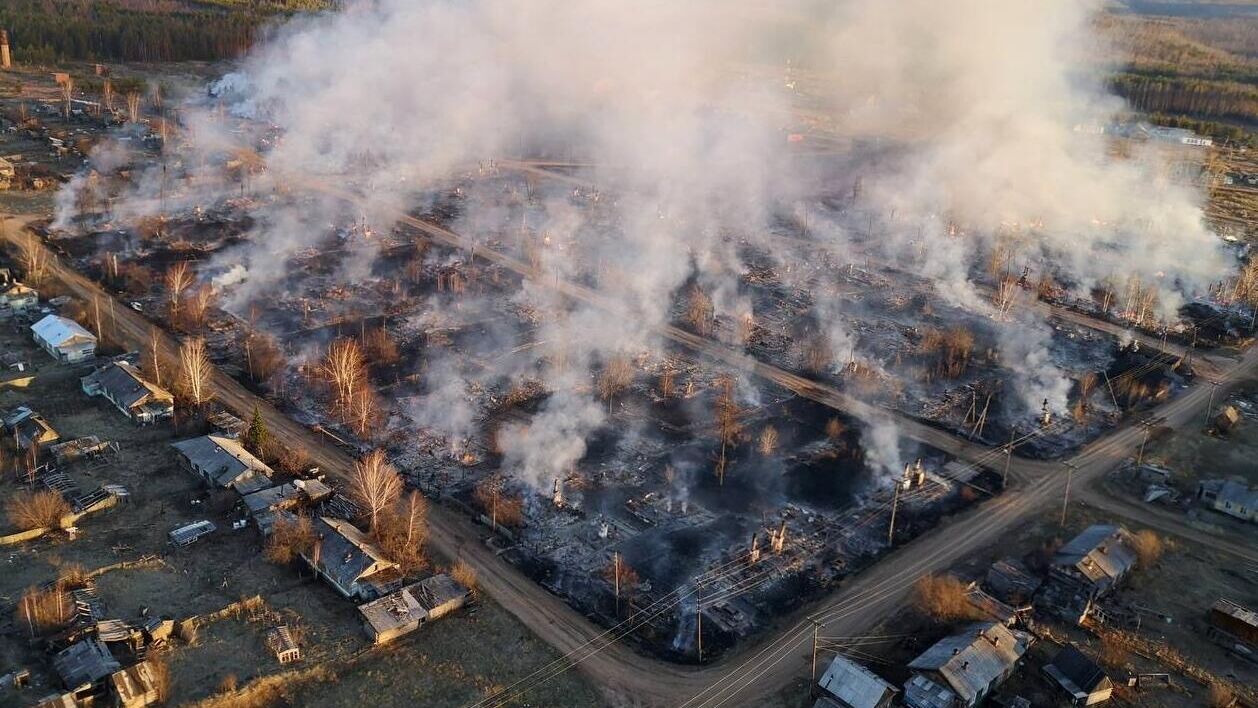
column 223, row 462
column 265, row 505
column 1231, row 497
column 963, row 669
column 1010, row 581
column 849, row 685
column 122, row 384
column 350, row 562
column 1079, row 678
column 402, row 612
column 64, row 339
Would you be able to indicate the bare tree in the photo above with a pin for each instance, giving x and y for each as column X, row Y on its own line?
column 197, row 307
column 152, row 357
column 1149, row 548
column 502, row 507
column 729, row 427
column 195, row 371
column 668, row 380
column 943, row 597
column 363, row 412
column 615, row 378
column 345, row 371
column 624, row 579
column 34, row 261
column 289, row 538
column 67, row 93
column 379, row 347
column 699, row 311
column 768, row 440
column 375, row 485
column 36, row 510
column 133, row 107
column 262, row 356
column 178, row 279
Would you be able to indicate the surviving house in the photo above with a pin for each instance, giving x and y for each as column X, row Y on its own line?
column 350, row 562
column 265, row 505
column 223, row 462
column 64, row 339
column 1079, row 678
column 965, row 668
column 1089, row 567
column 33, row 431
column 402, row 612
column 121, row 384
column 18, row 298
column 1230, row 497
column 847, row 684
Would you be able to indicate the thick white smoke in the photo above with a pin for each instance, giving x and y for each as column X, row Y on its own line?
column 977, row 103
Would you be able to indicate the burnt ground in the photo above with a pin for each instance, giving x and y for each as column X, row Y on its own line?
column 443, row 665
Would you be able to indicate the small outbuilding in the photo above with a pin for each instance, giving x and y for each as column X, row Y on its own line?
column 33, row 431
column 85, row 664
column 849, row 685
column 223, row 462
column 122, row 384
column 137, row 686
column 1079, row 677
column 281, row 642
column 64, row 339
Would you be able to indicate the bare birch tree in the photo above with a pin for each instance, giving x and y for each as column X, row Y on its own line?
column 178, row 279
column 34, row 261
column 195, row 371
column 375, row 485
column 345, row 370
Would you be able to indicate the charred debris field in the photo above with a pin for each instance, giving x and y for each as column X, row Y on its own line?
column 615, row 479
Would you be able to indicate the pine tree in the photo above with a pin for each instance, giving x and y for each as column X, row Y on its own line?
column 256, row 434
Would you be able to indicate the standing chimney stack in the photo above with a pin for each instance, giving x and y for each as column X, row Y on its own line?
column 5, row 60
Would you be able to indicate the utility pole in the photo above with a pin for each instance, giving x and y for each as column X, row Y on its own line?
column 699, row 620
column 616, row 578
column 1004, row 480
column 895, row 501
column 1065, row 502
column 1140, row 455
column 815, row 629
column 1214, row 386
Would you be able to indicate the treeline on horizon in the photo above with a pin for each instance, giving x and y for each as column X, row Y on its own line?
column 51, row 31
column 1207, row 101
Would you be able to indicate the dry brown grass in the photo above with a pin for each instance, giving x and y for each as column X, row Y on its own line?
column 1221, row 697
column 1113, row 654
column 943, row 598
column 464, row 575
column 161, row 677
column 267, row 691
column 37, row 510
column 1149, row 548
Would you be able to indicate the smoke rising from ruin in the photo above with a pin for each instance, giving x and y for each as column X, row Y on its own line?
column 985, row 107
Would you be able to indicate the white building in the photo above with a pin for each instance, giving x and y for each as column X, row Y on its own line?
column 64, row 339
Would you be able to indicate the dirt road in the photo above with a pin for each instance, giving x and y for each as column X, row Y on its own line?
column 753, row 674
